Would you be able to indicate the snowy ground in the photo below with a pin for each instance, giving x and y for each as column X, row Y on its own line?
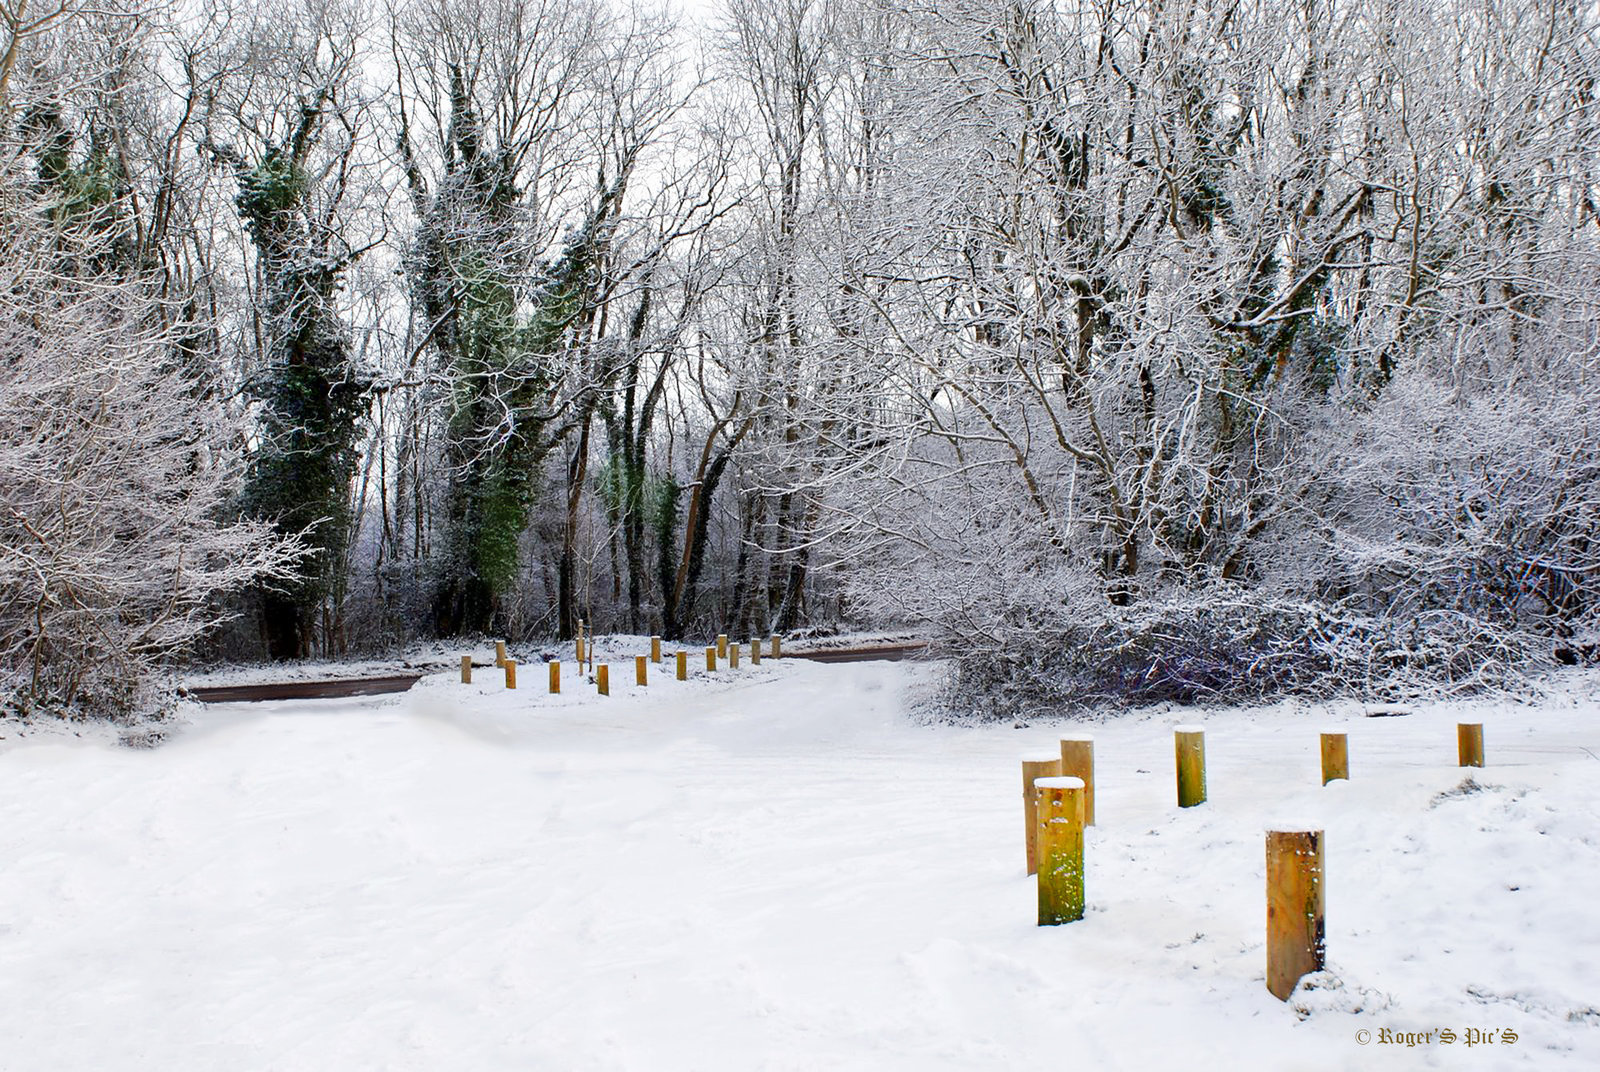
column 775, row 870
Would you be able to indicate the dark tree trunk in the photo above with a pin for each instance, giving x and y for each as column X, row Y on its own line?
column 284, row 628
column 567, row 595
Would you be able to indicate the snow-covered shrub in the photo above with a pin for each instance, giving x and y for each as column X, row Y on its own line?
column 116, row 471
column 1223, row 646
column 1481, row 506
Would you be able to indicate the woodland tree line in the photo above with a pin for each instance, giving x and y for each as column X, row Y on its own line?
column 1132, row 349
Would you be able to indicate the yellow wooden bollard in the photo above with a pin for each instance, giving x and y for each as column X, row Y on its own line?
column 555, row 676
column 511, row 673
column 1077, row 761
column 711, row 658
column 1335, row 757
column 1469, row 743
column 1189, row 744
column 755, row 651
column 683, row 666
column 466, row 669
column 641, row 673
column 1295, row 925
column 579, row 639
column 722, row 645
column 1059, row 805
column 655, row 649
column 602, row 679
column 1033, row 768
column 499, row 653
column 733, row 656
column 777, row 646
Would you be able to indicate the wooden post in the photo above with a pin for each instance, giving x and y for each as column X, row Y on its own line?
column 655, row 649
column 1335, row 757
column 602, row 678
column 1469, row 743
column 755, row 652
column 722, row 645
column 777, row 651
column 733, row 656
column 711, row 657
column 466, row 669
column 1059, row 803
column 1033, row 767
column 1189, row 743
column 511, row 673
column 683, row 666
column 555, row 676
column 1077, row 761
column 580, row 644
column 641, row 673
column 499, row 653
column 1295, row 926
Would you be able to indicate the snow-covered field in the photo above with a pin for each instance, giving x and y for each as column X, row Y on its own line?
column 778, row 869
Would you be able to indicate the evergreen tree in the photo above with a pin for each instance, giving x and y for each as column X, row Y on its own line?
column 312, row 397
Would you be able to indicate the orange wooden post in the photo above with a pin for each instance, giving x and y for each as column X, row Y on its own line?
column 733, row 656
column 1034, row 767
column 1189, row 744
column 511, row 673
column 602, row 679
column 1469, row 743
column 655, row 649
column 711, row 658
column 777, row 650
column 1077, row 761
column 683, row 666
column 466, row 669
column 640, row 669
column 555, row 676
column 1295, row 925
column 755, row 651
column 1335, row 757
column 1060, row 810
column 722, row 645
column 499, row 653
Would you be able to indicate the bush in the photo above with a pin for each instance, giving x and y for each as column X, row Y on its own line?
column 1222, row 647
column 115, row 479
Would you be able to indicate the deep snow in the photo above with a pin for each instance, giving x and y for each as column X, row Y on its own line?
column 778, row 869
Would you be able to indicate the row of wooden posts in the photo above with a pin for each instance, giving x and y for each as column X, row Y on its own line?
column 722, row 650
column 1058, row 803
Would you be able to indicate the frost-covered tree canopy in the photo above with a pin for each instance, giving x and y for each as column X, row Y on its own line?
column 1131, row 350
